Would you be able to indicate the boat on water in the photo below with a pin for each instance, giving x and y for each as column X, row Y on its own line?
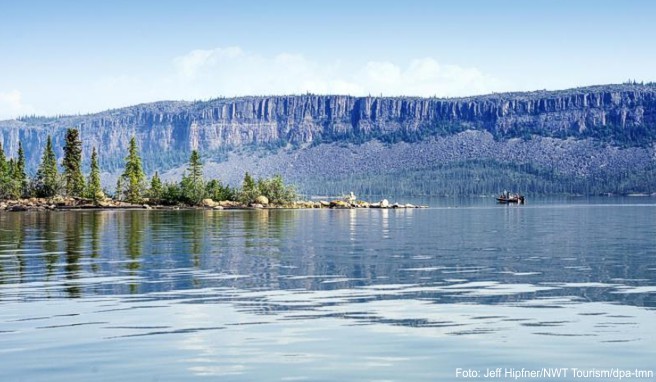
column 507, row 197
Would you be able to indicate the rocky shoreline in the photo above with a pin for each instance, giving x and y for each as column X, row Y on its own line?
column 58, row 203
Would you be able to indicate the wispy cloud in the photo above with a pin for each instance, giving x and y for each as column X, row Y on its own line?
column 193, row 63
column 233, row 71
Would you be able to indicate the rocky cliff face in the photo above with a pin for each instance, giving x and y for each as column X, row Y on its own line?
column 620, row 115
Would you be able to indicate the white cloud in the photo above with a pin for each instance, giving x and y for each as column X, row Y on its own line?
column 234, row 72
column 12, row 106
column 195, row 61
column 381, row 73
column 426, row 77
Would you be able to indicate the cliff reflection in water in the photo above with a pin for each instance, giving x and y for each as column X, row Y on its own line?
column 486, row 256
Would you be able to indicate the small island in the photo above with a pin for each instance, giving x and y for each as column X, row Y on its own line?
column 50, row 189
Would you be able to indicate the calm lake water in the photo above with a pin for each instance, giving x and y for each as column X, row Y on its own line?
column 328, row 295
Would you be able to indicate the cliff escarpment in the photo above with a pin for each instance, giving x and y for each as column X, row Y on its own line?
column 621, row 116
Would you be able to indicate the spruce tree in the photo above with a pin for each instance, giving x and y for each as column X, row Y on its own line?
column 72, row 164
column 20, row 175
column 217, row 191
column 118, row 194
column 195, row 167
column 133, row 176
column 276, row 190
column 155, row 191
column 193, row 187
column 11, row 168
column 47, row 176
column 8, row 186
column 249, row 190
column 94, row 189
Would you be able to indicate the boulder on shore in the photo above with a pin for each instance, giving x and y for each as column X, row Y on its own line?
column 339, row 204
column 105, row 203
column 384, row 203
column 209, row 203
column 263, row 200
column 229, row 204
column 301, row 204
column 59, row 200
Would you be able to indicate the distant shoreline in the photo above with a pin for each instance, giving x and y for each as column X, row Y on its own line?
column 79, row 204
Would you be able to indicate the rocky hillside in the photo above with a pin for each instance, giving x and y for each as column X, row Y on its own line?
column 586, row 135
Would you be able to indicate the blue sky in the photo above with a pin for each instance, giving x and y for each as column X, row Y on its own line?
column 63, row 57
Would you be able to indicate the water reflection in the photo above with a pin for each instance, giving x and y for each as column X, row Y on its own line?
column 96, row 226
column 378, row 294
column 481, row 255
column 132, row 223
column 12, row 261
column 48, row 236
column 73, row 253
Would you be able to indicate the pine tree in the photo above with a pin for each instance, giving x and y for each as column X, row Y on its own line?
column 72, row 164
column 155, row 191
column 276, row 190
column 217, row 191
column 9, row 187
column 249, row 190
column 94, row 188
column 133, row 176
column 193, row 187
column 118, row 194
column 20, row 174
column 11, row 168
column 195, row 167
column 47, row 177
column 171, row 193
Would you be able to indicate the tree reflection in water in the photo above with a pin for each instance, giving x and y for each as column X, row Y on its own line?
column 81, row 253
column 73, row 225
column 133, row 225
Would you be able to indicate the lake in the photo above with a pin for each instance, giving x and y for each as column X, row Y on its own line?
column 329, row 295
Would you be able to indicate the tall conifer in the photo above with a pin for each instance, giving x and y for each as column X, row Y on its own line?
column 118, row 194
column 193, row 185
column 20, row 175
column 249, row 190
column 9, row 186
column 72, row 164
column 133, row 177
column 47, row 177
column 156, row 189
column 94, row 188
